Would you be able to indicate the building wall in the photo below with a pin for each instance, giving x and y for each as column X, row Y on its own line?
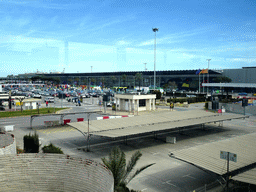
column 244, row 75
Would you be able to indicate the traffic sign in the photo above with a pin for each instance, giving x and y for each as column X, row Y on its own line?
column 232, row 156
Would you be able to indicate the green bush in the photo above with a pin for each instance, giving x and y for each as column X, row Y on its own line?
column 206, row 106
column 52, row 149
column 31, row 143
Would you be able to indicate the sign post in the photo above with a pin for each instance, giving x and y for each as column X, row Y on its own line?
column 229, row 157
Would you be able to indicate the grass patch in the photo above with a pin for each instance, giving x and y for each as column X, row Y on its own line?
column 29, row 112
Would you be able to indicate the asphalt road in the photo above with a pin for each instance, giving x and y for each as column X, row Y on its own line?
column 166, row 175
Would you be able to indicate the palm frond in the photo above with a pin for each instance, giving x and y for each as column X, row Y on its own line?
column 138, row 172
column 131, row 164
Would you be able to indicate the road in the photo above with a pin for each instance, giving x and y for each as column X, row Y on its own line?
column 166, row 175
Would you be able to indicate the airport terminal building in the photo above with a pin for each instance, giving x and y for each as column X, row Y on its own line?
column 184, row 79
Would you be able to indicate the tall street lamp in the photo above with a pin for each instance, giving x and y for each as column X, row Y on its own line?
column 155, row 30
column 208, row 74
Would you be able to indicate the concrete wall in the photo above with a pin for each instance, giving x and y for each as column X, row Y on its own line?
column 236, row 108
column 53, row 172
column 9, row 149
column 244, row 75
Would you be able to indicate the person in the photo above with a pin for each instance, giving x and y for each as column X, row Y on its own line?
column 171, row 106
column 46, row 103
column 79, row 102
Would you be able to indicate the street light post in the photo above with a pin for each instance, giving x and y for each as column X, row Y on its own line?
column 155, row 30
column 208, row 74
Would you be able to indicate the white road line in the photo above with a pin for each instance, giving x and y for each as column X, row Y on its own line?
column 169, row 182
column 8, row 122
column 189, row 176
column 144, row 189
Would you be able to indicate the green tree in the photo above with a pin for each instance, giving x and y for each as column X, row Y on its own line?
column 116, row 162
column 138, row 77
column 113, row 79
column 21, row 103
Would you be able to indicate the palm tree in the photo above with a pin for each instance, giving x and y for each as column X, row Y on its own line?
column 116, row 162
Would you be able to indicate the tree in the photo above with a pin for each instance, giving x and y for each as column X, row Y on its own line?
column 116, row 162
column 21, row 102
column 138, row 77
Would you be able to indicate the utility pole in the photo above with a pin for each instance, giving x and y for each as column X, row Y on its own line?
column 208, row 74
column 145, row 66
column 155, row 30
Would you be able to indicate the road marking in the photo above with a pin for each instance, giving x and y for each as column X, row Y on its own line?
column 144, row 189
column 189, row 176
column 169, row 182
column 7, row 122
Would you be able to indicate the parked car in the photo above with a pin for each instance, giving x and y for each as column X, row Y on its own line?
column 36, row 96
column 242, row 94
column 191, row 96
column 49, row 99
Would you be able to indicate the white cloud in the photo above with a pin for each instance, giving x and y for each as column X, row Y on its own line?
column 122, row 43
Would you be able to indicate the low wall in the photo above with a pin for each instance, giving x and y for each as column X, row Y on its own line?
column 236, row 108
column 53, row 172
column 7, row 144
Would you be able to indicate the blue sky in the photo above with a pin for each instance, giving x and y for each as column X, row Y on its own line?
column 115, row 35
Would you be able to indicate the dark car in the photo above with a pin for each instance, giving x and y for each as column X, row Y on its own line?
column 242, row 94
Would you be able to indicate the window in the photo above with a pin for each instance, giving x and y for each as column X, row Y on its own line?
column 142, row 102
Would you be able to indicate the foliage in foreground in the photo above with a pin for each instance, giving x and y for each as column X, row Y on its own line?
column 52, row 149
column 116, row 162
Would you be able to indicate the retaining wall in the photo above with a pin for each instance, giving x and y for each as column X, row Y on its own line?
column 236, row 108
column 53, row 172
column 7, row 144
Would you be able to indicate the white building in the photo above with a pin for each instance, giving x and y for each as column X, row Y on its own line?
column 135, row 102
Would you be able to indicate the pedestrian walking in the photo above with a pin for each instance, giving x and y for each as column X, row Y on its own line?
column 46, row 103
column 171, row 106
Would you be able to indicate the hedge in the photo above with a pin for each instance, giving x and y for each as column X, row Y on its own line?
column 52, row 149
column 31, row 143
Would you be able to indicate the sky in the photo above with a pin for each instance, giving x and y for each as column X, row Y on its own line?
column 81, row 36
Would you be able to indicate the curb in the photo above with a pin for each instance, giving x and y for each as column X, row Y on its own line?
column 113, row 117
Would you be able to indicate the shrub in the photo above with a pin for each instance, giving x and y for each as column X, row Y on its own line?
column 52, row 149
column 31, row 143
column 158, row 94
column 19, row 150
column 206, row 106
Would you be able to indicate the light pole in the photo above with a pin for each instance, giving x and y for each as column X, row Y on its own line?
column 208, row 74
column 145, row 66
column 155, row 30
